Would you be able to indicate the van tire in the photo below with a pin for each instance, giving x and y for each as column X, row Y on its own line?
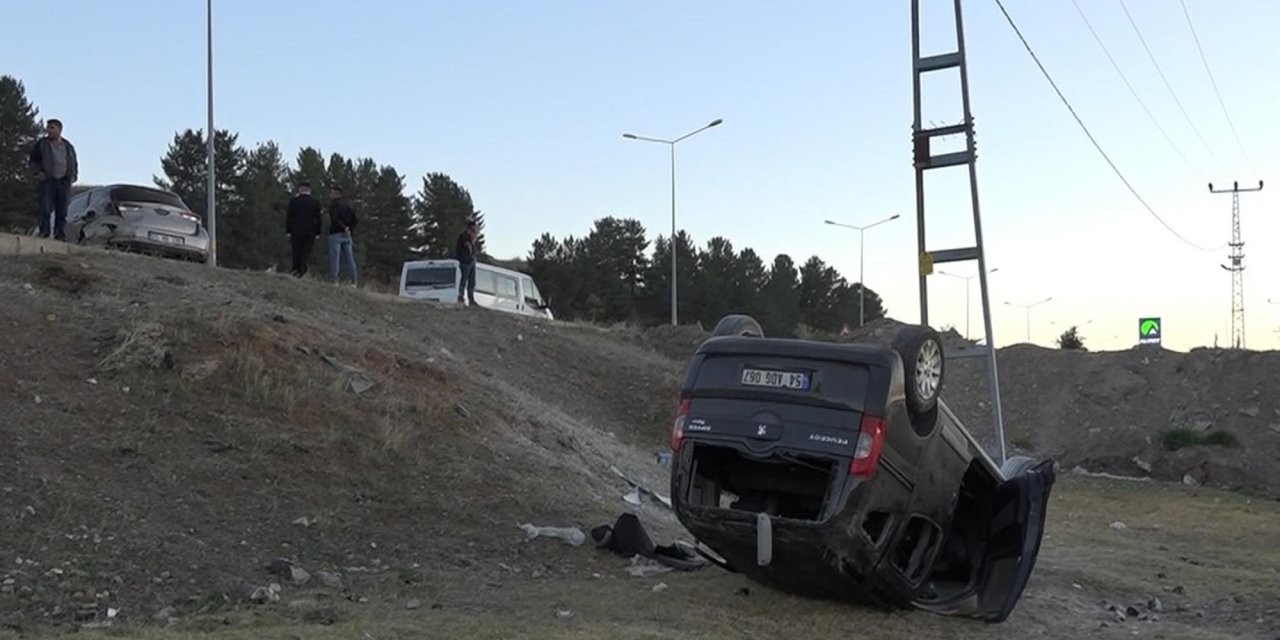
column 738, row 325
column 923, row 366
column 1016, row 466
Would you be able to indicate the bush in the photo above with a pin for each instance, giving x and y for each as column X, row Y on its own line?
column 1071, row 340
column 1175, row 439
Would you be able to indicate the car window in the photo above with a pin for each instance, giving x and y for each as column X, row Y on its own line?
column 143, row 194
column 507, row 287
column 430, row 277
column 77, row 206
column 485, row 282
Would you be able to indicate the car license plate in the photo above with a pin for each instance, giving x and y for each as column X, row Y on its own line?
column 166, row 238
column 777, row 379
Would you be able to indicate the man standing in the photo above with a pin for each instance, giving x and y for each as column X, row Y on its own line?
column 54, row 161
column 342, row 220
column 303, row 223
column 465, row 253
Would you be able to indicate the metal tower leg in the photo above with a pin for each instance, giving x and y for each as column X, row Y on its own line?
column 924, row 160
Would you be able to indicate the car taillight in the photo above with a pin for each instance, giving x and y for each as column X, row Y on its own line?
column 677, row 428
column 870, row 441
column 192, row 217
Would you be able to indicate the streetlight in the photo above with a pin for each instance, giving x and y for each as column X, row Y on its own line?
column 967, row 280
column 213, row 219
column 672, row 145
column 862, row 255
column 1028, row 308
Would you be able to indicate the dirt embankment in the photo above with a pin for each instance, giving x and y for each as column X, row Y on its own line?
column 170, row 430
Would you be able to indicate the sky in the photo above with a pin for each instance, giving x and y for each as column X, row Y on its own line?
column 524, row 103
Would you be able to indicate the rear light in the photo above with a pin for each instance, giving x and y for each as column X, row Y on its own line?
column 191, row 216
column 677, row 428
column 870, row 441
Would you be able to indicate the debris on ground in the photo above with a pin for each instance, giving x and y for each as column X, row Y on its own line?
column 636, row 496
column 642, row 567
column 627, row 537
column 1081, row 471
column 357, row 380
column 572, row 535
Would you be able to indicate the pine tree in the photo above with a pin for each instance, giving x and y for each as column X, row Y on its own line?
column 386, row 225
column 441, row 212
column 780, row 298
column 186, row 174
column 257, row 232
column 19, row 130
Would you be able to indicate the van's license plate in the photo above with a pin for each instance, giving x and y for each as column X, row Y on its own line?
column 779, row 379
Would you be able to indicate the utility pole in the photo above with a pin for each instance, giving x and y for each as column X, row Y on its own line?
column 862, row 262
column 1237, row 263
column 212, row 220
column 672, row 144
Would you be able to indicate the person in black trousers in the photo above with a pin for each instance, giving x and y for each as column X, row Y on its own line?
column 465, row 252
column 303, row 223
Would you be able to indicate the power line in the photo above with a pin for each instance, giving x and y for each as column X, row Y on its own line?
column 1097, row 146
column 1169, row 86
column 1207, row 70
column 1133, row 91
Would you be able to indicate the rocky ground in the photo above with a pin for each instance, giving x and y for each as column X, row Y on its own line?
column 191, row 451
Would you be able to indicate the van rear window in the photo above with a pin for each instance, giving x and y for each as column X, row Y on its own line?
column 738, row 375
column 430, row 278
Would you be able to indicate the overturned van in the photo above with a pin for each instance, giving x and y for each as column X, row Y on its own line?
column 836, row 471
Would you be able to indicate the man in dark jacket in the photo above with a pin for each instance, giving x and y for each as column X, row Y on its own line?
column 303, row 223
column 342, row 221
column 465, row 252
column 54, row 162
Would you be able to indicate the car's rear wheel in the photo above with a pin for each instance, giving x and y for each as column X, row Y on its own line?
column 738, row 325
column 920, row 348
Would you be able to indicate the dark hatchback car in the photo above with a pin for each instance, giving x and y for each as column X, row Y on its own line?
column 836, row 471
column 137, row 218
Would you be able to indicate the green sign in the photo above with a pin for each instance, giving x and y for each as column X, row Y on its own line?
column 1149, row 330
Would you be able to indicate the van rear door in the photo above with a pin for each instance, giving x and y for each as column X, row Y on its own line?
column 768, row 401
column 1014, row 531
column 436, row 280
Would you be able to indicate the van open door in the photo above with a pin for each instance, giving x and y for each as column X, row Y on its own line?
column 1014, row 531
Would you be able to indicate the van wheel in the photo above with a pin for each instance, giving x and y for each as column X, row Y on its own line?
column 921, row 351
column 1016, row 466
column 738, row 325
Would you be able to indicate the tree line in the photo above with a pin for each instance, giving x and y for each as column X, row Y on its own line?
column 615, row 274
column 612, row 274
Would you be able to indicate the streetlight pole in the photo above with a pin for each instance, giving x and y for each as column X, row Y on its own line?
column 1028, row 308
column 967, row 281
column 672, row 145
column 212, row 201
column 862, row 261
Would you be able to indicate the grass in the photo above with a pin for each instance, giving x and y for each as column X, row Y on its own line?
column 1184, row 437
column 1214, row 545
